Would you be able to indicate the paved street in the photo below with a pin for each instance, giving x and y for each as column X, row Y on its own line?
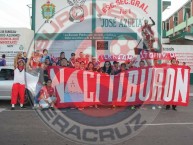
column 24, row 127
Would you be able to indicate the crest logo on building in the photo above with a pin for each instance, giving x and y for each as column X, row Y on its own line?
column 48, row 11
column 76, row 13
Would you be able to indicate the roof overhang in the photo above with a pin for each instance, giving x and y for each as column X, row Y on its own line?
column 182, row 36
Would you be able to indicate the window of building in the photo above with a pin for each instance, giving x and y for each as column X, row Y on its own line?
column 176, row 19
column 167, row 25
column 187, row 11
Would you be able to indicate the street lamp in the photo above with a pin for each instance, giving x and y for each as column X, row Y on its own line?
column 30, row 6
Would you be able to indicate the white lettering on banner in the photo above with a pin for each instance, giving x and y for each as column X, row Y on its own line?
column 87, row 98
column 132, row 86
column 163, row 54
column 58, row 83
column 120, row 91
column 98, row 88
column 181, row 85
column 111, row 85
column 145, row 97
column 169, row 85
column 157, row 84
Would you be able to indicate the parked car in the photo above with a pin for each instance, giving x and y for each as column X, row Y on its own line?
column 6, row 82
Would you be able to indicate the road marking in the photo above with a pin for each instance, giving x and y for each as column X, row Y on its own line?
column 2, row 109
column 155, row 124
column 161, row 124
column 18, row 110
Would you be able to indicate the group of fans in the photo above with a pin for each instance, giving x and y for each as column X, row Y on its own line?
column 39, row 62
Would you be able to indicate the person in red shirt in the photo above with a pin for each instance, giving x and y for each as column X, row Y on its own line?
column 96, row 63
column 81, row 57
column 87, row 59
column 90, row 67
column 18, row 88
column 47, row 96
column 82, row 65
column 34, row 61
column 173, row 63
column 77, row 65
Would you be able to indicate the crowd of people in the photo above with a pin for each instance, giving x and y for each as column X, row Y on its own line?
column 39, row 62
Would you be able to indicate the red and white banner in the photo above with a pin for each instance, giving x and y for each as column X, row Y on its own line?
column 162, row 84
column 158, row 56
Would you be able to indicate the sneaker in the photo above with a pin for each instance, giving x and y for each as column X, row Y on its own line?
column 80, row 109
column 35, row 107
column 133, row 108
column 159, row 107
column 174, row 109
column 23, row 107
column 12, row 108
column 52, row 108
column 153, row 108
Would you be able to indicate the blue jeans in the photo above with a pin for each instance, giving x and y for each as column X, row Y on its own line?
column 38, row 88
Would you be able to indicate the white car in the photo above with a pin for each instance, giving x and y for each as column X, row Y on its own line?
column 6, row 82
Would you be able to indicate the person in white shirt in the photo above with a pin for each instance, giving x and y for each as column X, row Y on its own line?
column 18, row 87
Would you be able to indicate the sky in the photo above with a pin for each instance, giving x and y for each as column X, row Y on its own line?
column 175, row 5
column 15, row 13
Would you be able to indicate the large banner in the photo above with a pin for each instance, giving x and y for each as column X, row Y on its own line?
column 162, row 85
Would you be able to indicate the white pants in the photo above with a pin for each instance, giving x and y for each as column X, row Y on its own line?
column 45, row 103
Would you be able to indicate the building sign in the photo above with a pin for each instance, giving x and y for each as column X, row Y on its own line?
column 14, row 40
column 119, row 24
column 183, row 53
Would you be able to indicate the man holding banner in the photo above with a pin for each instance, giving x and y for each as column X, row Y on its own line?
column 173, row 63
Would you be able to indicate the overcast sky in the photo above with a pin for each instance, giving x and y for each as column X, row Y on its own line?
column 15, row 13
column 175, row 5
